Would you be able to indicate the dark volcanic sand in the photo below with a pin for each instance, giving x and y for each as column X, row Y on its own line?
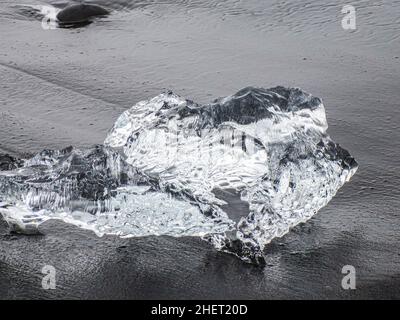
column 67, row 87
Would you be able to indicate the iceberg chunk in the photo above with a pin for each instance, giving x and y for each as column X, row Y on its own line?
column 238, row 172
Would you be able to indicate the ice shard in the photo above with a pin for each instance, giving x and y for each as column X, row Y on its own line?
column 237, row 172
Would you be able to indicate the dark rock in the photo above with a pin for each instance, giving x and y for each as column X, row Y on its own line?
column 80, row 13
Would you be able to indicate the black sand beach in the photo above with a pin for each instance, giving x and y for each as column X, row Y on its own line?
column 66, row 87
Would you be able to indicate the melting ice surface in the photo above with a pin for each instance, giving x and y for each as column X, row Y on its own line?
column 237, row 172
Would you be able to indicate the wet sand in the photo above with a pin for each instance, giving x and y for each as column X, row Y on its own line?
column 67, row 87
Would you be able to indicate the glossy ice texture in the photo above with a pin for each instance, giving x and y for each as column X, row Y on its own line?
column 167, row 162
